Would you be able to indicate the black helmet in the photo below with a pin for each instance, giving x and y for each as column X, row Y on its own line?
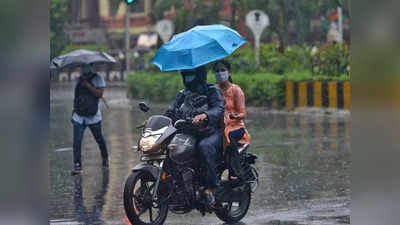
column 195, row 80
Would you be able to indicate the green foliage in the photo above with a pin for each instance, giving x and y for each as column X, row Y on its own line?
column 92, row 47
column 332, row 60
column 261, row 89
column 155, row 86
column 294, row 59
column 301, row 11
column 182, row 19
column 185, row 18
column 58, row 18
column 161, row 6
column 148, row 58
column 328, row 61
column 243, row 60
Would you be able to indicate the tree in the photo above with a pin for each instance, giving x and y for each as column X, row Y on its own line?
column 281, row 12
column 238, row 7
column 200, row 12
column 58, row 18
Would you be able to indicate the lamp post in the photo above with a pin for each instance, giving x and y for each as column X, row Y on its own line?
column 340, row 21
column 127, row 38
column 127, row 33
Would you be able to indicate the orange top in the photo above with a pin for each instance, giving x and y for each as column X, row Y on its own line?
column 234, row 103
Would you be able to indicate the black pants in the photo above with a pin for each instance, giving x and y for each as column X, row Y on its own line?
column 79, row 130
column 233, row 157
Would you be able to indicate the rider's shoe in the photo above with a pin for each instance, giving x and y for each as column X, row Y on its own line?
column 210, row 199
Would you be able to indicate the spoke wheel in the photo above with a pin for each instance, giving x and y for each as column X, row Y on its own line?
column 234, row 211
column 254, row 183
column 139, row 206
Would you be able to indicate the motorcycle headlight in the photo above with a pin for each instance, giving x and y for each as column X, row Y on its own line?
column 146, row 143
column 149, row 138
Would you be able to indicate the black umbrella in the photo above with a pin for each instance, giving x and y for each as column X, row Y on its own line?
column 80, row 57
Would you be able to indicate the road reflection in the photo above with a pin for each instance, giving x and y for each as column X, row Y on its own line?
column 302, row 158
column 94, row 215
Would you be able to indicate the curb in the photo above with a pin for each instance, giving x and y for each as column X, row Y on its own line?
column 318, row 94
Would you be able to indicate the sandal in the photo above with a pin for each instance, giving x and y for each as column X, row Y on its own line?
column 210, row 199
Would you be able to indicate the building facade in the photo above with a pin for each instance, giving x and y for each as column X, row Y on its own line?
column 103, row 21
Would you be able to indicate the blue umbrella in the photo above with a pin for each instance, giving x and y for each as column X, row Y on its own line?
column 198, row 46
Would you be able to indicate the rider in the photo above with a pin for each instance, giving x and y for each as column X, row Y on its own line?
column 235, row 112
column 201, row 101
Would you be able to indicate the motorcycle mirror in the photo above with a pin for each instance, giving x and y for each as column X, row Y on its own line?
column 143, row 106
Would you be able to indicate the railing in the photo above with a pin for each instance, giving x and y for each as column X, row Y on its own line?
column 67, row 76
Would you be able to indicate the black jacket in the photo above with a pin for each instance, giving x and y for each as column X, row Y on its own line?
column 215, row 109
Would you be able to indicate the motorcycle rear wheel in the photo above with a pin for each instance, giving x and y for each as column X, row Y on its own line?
column 235, row 211
column 138, row 191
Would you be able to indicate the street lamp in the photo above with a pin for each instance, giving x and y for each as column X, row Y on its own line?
column 127, row 35
column 129, row 1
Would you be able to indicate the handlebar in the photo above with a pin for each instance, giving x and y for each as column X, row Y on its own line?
column 140, row 126
column 188, row 123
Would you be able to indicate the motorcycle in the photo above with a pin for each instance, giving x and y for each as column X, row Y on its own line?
column 171, row 178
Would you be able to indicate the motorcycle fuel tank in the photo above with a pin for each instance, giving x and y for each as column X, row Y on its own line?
column 182, row 148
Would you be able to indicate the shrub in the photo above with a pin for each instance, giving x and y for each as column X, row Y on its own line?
column 155, row 86
column 150, row 67
column 261, row 89
column 329, row 61
column 294, row 59
column 243, row 60
column 332, row 60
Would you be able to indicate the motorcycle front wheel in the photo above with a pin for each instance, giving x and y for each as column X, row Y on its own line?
column 139, row 206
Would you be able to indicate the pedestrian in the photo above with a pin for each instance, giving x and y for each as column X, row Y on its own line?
column 89, row 88
column 235, row 112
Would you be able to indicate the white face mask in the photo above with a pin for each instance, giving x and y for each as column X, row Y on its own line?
column 221, row 76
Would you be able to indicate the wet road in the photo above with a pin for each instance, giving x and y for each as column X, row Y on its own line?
column 304, row 166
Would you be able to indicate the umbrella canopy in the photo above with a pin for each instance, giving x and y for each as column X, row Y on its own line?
column 198, row 46
column 80, row 58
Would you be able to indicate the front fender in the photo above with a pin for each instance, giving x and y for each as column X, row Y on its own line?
column 149, row 168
